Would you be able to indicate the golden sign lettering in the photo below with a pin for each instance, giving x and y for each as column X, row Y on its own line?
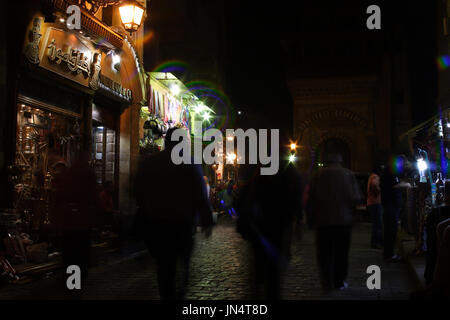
column 76, row 60
column 116, row 87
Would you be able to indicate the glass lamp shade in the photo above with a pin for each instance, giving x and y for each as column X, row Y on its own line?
column 131, row 14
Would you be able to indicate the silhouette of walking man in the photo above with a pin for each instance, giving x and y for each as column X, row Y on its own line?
column 268, row 206
column 170, row 197
column 334, row 195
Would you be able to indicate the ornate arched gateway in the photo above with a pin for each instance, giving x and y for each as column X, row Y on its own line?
column 336, row 111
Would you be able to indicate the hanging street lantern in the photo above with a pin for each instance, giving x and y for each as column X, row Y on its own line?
column 131, row 13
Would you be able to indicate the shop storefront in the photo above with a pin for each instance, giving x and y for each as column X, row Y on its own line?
column 170, row 104
column 77, row 91
column 427, row 202
column 56, row 85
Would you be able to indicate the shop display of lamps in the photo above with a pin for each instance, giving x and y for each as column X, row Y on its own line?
column 131, row 13
column 421, row 165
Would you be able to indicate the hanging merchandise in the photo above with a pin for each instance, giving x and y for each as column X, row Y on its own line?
column 173, row 111
column 170, row 109
column 152, row 110
column 161, row 105
column 184, row 117
column 176, row 112
column 167, row 118
column 166, row 109
column 150, row 99
column 155, row 102
column 158, row 104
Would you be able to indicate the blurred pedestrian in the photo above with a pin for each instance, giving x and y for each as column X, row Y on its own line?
column 375, row 209
column 169, row 197
column 334, row 194
column 391, row 199
column 267, row 208
column 226, row 197
column 208, row 187
column 77, row 205
column 110, row 216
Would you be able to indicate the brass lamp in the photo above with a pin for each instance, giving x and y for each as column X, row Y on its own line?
column 131, row 13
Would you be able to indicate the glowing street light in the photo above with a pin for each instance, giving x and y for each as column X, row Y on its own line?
column 231, row 157
column 131, row 13
column 199, row 108
column 293, row 146
column 206, row 116
column 292, row 158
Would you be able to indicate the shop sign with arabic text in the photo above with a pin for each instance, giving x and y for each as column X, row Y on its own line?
column 64, row 54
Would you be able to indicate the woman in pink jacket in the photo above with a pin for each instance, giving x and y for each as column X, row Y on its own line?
column 375, row 209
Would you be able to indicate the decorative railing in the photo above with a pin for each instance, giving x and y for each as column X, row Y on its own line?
column 91, row 24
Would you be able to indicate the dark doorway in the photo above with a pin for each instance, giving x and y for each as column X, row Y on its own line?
column 336, row 146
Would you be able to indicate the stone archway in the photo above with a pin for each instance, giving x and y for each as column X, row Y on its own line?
column 331, row 115
column 349, row 133
column 335, row 108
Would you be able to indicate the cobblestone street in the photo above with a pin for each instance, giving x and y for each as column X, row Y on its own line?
column 221, row 269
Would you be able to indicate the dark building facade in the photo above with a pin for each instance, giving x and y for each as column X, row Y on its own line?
column 187, row 36
column 443, row 34
column 356, row 90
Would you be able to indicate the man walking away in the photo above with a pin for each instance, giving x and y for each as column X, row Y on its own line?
column 268, row 206
column 169, row 197
column 334, row 195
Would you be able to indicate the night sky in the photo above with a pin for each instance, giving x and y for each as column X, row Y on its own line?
column 255, row 69
column 257, row 64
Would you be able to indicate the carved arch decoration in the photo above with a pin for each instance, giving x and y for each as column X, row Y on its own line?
column 333, row 135
column 331, row 113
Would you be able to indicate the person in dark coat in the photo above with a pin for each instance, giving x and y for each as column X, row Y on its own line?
column 77, row 206
column 169, row 198
column 391, row 198
column 267, row 208
column 334, row 194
